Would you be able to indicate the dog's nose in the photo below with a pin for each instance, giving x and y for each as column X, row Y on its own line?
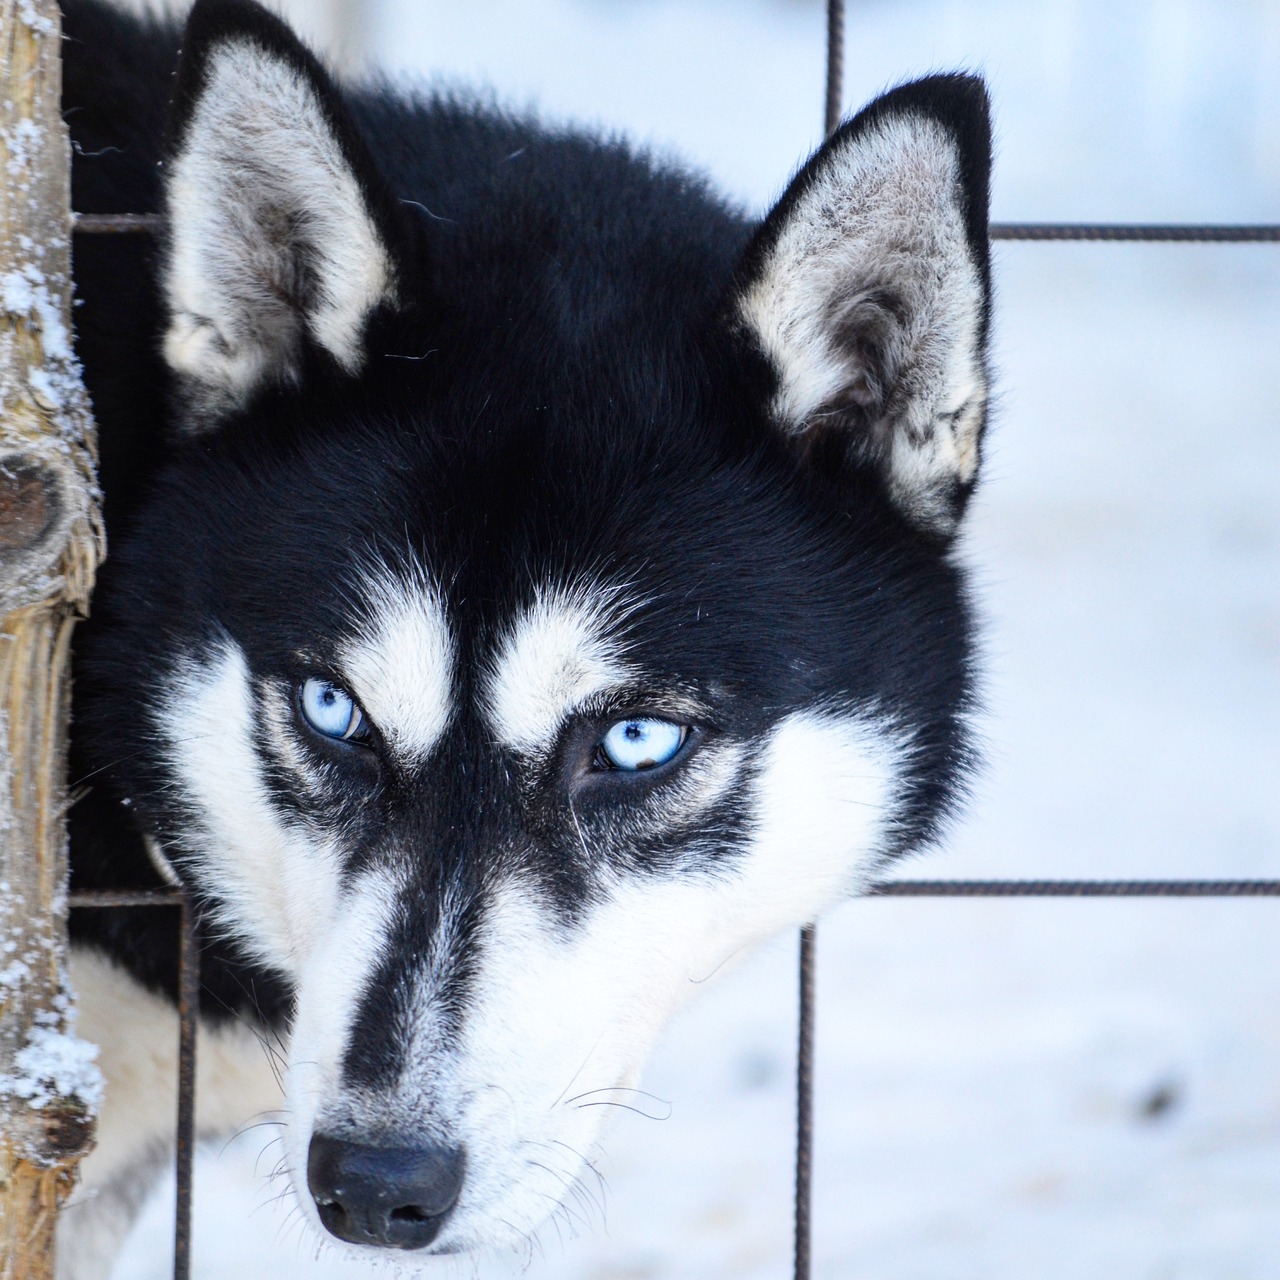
column 393, row 1197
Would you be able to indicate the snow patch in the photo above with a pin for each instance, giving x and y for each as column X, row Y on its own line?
column 54, row 1064
column 26, row 292
column 36, row 21
column 24, row 144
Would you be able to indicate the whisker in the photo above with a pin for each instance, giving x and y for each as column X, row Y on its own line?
column 590, row 1164
column 582, row 840
column 278, row 1140
column 697, row 982
column 626, row 1107
column 577, row 1073
column 249, row 1127
column 618, row 1088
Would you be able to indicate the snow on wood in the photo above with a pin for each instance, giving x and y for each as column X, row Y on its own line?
column 50, row 543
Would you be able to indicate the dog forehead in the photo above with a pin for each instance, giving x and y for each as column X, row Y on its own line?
column 554, row 654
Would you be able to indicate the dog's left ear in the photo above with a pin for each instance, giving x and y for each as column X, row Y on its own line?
column 283, row 237
column 867, row 288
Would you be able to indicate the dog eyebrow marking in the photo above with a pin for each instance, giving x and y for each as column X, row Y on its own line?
column 400, row 660
column 557, row 654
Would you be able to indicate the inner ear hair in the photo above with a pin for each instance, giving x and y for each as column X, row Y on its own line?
column 865, row 330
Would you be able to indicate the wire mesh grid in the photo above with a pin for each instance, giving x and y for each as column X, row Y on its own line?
column 189, row 953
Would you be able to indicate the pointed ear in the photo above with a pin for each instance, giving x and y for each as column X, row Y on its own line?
column 282, row 236
column 868, row 288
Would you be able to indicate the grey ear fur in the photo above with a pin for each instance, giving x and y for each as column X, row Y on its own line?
column 867, row 289
column 274, row 240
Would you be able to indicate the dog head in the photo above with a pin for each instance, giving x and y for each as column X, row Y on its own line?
column 548, row 597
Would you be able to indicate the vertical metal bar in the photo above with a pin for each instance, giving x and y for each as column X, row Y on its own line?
column 808, row 935
column 188, row 1010
column 835, row 64
column 804, row 1104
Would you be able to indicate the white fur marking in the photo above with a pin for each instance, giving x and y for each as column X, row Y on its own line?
column 277, row 882
column 826, row 799
column 557, row 655
column 330, row 988
column 401, row 663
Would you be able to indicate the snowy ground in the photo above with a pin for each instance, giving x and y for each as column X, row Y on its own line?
column 1005, row 1089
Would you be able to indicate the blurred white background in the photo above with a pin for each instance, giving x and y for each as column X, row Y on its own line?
column 1005, row 1089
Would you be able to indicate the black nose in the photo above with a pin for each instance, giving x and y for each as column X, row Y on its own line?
column 394, row 1197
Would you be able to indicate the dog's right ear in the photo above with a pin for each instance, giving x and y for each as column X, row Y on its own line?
column 283, row 238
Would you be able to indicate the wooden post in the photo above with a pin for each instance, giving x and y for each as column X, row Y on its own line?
column 50, row 544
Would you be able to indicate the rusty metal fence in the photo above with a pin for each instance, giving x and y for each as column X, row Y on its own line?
column 185, row 921
column 188, row 1015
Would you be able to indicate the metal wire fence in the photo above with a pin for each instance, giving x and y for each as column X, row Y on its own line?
column 189, row 953
column 188, row 1017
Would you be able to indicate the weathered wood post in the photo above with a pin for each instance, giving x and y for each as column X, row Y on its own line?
column 50, row 543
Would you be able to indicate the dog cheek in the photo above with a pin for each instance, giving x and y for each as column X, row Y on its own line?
column 560, row 1023
column 829, row 795
column 563, row 1017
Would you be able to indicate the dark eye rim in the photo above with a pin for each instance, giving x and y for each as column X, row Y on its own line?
column 365, row 738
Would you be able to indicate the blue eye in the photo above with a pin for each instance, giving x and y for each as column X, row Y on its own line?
column 639, row 744
column 331, row 711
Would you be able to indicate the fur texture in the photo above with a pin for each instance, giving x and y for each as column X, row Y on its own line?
column 500, row 444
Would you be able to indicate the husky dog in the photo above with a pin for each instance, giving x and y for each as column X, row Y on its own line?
column 531, row 585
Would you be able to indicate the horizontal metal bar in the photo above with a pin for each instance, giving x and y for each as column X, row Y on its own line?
column 1187, row 233
column 888, row 889
column 1166, row 233
column 1076, row 889
column 116, row 223
column 125, row 898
